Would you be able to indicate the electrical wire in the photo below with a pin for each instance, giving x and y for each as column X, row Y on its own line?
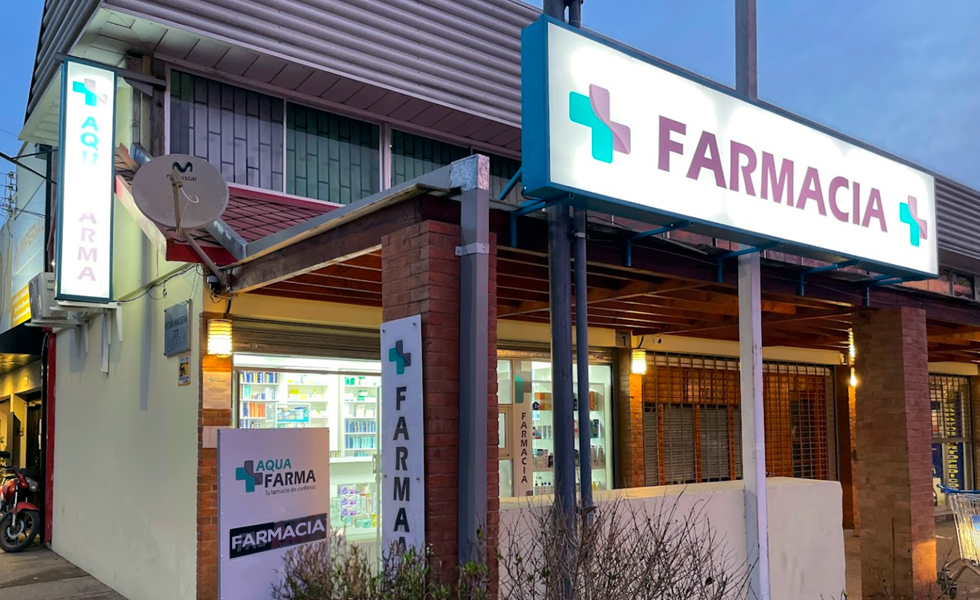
column 147, row 291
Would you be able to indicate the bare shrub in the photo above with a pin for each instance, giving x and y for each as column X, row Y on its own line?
column 337, row 570
column 618, row 552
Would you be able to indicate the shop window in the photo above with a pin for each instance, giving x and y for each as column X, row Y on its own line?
column 952, row 460
column 329, row 157
column 798, row 400
column 502, row 170
column 285, row 392
column 524, row 382
column 413, row 156
column 692, row 422
column 238, row 131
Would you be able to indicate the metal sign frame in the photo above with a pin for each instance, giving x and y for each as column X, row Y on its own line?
column 63, row 184
column 538, row 177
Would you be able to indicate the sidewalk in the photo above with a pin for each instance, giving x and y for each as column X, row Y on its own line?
column 946, row 549
column 40, row 574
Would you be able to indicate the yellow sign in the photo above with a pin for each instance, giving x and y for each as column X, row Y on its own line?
column 20, row 307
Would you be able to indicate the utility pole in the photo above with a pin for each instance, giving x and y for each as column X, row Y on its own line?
column 750, row 342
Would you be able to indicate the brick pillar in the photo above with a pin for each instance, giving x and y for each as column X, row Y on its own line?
column 844, row 397
column 420, row 275
column 629, row 427
column 207, row 476
column 894, row 460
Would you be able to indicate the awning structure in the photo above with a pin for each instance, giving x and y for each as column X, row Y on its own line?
column 20, row 346
column 684, row 285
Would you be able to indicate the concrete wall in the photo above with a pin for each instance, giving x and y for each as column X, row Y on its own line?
column 132, row 435
column 129, row 437
column 806, row 543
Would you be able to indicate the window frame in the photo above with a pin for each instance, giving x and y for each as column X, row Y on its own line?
column 384, row 138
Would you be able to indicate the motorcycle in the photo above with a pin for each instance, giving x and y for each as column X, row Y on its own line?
column 21, row 520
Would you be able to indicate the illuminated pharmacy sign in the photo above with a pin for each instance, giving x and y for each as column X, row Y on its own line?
column 84, row 258
column 402, row 450
column 626, row 136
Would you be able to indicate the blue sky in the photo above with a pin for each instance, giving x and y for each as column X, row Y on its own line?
column 20, row 22
column 903, row 75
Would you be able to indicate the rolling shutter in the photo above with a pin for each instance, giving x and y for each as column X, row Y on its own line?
column 273, row 337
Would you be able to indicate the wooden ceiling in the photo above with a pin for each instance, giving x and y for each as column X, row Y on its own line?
column 668, row 290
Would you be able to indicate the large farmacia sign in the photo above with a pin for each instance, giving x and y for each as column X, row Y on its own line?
column 626, row 136
column 273, row 494
column 88, row 109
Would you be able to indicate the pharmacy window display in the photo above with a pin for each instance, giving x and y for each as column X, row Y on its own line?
column 525, row 393
column 342, row 395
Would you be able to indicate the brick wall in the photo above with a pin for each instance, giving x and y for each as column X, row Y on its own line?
column 894, row 468
column 207, row 477
column 629, row 426
column 420, row 275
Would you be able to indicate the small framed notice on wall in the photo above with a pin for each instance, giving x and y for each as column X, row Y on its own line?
column 217, row 390
column 184, row 369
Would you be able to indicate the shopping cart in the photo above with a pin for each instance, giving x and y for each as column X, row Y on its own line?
column 966, row 513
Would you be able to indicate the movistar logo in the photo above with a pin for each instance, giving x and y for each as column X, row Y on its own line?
column 593, row 112
column 401, row 358
column 918, row 227
column 184, row 169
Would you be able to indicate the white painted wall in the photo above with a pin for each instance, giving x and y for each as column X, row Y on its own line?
column 806, row 542
column 125, row 460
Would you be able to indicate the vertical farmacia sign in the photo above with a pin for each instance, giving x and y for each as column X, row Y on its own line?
column 84, row 257
column 627, row 136
column 402, row 449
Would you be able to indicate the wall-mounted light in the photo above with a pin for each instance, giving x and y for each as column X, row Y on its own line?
column 854, row 380
column 638, row 364
column 219, row 337
column 851, row 350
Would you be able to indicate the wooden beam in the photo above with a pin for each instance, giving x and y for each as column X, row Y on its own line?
column 597, row 295
column 274, row 290
column 349, row 240
column 732, row 323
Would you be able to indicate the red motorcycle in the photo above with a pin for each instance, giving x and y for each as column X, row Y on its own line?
column 21, row 518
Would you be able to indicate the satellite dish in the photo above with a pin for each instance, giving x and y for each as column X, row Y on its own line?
column 202, row 194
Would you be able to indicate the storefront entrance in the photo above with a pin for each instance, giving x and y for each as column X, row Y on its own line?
column 526, row 437
column 296, row 376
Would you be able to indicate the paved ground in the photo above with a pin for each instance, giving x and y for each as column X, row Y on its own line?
column 40, row 574
column 946, row 549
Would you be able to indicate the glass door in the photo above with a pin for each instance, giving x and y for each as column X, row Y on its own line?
column 528, row 382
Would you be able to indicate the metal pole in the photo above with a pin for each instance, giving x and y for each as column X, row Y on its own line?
column 575, row 13
column 559, row 270
column 474, row 277
column 750, row 345
column 582, row 351
column 555, row 8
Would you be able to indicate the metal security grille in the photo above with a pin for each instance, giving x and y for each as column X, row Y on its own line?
column 798, row 406
column 692, row 421
column 952, row 431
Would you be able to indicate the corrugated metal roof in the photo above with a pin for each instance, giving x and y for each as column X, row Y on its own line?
column 61, row 25
column 958, row 218
column 462, row 54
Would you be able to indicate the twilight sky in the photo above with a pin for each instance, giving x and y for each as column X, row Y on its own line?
column 903, row 75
